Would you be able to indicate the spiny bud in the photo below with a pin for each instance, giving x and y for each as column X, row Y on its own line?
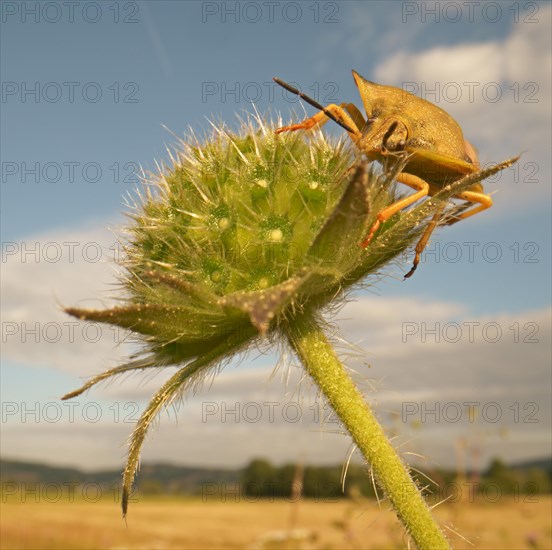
column 236, row 237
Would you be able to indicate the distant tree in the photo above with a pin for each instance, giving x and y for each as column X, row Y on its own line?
column 502, row 477
column 537, row 481
column 151, row 487
column 259, row 478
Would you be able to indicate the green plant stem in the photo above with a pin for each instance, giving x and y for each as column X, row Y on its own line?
column 321, row 362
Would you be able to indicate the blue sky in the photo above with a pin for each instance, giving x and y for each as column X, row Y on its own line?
column 86, row 97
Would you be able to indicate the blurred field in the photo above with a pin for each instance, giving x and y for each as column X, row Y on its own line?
column 171, row 523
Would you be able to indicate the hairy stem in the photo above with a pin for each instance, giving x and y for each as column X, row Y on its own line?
column 321, row 362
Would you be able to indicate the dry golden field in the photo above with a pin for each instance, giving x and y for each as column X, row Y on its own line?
column 171, row 523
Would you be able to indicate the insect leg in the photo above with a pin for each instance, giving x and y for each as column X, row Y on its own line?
column 482, row 199
column 412, row 181
column 422, row 243
column 328, row 112
column 337, row 112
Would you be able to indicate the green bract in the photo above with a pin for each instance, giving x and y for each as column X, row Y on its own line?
column 240, row 237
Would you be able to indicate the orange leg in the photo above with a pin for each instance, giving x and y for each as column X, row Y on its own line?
column 339, row 111
column 412, row 181
column 422, row 243
column 471, row 196
column 482, row 199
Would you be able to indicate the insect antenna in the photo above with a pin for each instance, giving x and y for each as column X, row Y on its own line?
column 312, row 102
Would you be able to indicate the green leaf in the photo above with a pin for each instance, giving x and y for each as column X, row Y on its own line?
column 337, row 243
column 262, row 306
column 162, row 322
column 171, row 390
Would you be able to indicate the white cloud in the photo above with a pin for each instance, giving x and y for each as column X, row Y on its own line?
column 499, row 91
column 44, row 272
column 407, row 368
column 418, row 389
column 523, row 56
column 463, row 63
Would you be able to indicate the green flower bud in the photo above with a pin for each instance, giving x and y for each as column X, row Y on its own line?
column 238, row 237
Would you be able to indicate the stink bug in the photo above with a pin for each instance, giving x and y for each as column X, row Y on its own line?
column 400, row 122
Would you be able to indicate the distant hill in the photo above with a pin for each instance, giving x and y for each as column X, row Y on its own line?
column 157, row 477
column 172, row 479
column 539, row 464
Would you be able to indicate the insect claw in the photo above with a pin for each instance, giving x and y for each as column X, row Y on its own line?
column 411, row 272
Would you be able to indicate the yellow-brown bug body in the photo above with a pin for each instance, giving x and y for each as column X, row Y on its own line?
column 400, row 122
column 426, row 131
